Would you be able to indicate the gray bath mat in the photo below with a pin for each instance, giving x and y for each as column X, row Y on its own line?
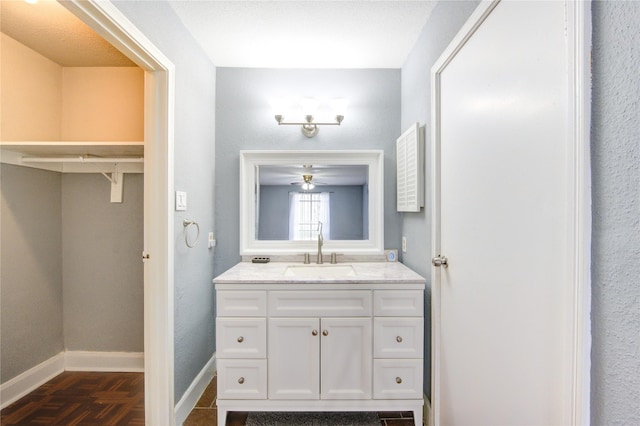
column 313, row 419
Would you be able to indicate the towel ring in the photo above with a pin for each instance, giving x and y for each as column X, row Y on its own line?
column 187, row 223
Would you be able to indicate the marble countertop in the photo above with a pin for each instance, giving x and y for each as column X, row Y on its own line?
column 277, row 273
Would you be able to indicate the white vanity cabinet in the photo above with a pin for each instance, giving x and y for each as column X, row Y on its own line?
column 307, row 345
column 241, row 346
column 398, row 344
column 324, row 351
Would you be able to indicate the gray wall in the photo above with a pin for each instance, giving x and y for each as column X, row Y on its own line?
column 194, row 165
column 71, row 272
column 615, row 149
column 244, row 120
column 103, row 281
column 445, row 21
column 30, row 269
column 346, row 212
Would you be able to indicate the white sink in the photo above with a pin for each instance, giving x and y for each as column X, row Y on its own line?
column 320, row 271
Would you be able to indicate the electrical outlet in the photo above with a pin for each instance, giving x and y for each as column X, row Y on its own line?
column 212, row 242
column 404, row 244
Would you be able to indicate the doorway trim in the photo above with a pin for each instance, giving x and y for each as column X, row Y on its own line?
column 578, row 28
column 159, row 88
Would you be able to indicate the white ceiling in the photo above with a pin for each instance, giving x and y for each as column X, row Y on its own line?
column 54, row 32
column 322, row 174
column 305, row 34
column 240, row 33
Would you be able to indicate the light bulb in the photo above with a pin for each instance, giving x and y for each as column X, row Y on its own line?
column 339, row 106
column 309, row 106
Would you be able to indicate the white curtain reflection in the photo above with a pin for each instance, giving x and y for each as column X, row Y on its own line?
column 306, row 209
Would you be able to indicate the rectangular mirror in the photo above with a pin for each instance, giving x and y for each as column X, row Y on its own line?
column 294, row 198
column 286, row 195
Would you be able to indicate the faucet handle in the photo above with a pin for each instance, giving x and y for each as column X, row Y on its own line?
column 333, row 258
column 306, row 259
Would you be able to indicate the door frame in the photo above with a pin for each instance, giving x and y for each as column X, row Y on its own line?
column 159, row 97
column 578, row 23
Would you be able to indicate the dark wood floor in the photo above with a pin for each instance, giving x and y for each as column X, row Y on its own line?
column 205, row 413
column 81, row 398
column 92, row 399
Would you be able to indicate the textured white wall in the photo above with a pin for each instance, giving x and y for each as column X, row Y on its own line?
column 615, row 149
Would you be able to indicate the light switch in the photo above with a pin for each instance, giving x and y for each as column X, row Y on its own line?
column 181, row 200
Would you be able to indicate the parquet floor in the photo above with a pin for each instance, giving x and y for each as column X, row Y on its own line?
column 205, row 413
column 96, row 399
column 81, row 398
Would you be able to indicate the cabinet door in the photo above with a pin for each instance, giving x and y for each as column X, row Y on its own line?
column 346, row 358
column 294, row 358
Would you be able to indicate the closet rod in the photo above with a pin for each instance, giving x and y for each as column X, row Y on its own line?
column 82, row 159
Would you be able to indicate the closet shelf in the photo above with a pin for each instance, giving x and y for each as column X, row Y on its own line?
column 76, row 156
column 113, row 157
column 76, row 148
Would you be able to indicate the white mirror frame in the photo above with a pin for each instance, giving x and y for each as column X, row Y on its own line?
column 251, row 160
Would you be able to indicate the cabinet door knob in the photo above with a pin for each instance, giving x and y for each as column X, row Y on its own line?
column 398, row 380
column 241, row 380
column 240, row 339
column 314, row 333
column 399, row 339
column 325, row 333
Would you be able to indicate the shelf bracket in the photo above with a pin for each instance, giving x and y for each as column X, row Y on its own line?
column 117, row 182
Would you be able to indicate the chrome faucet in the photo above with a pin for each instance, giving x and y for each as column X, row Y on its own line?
column 320, row 242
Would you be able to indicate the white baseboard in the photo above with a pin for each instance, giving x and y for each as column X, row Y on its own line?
column 31, row 379
column 426, row 414
column 24, row 383
column 195, row 390
column 104, row 361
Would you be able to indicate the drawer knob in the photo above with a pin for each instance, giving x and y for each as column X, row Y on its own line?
column 398, row 380
column 241, row 380
column 314, row 333
column 399, row 339
column 325, row 333
column 240, row 339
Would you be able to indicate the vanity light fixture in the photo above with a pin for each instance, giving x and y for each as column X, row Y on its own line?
column 309, row 107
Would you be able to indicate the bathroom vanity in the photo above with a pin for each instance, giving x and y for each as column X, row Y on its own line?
column 330, row 337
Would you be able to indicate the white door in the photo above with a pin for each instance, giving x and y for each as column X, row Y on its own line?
column 505, row 215
column 346, row 358
column 294, row 358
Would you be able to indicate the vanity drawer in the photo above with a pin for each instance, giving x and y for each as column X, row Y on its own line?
column 398, row 337
column 242, row 378
column 231, row 303
column 310, row 303
column 398, row 303
column 241, row 338
column 397, row 379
